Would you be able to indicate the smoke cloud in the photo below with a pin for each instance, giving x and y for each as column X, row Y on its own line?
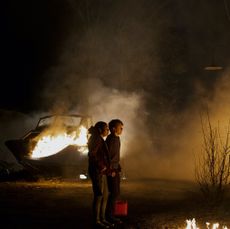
column 144, row 63
column 131, row 60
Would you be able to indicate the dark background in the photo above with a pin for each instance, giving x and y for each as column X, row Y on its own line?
column 31, row 32
column 141, row 61
column 190, row 35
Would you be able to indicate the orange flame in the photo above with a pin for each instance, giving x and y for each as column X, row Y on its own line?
column 52, row 144
column 191, row 224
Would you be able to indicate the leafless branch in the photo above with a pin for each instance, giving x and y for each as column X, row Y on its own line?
column 212, row 168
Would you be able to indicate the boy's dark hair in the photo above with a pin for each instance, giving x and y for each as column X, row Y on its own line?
column 114, row 123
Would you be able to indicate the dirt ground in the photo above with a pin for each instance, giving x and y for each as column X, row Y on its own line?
column 67, row 204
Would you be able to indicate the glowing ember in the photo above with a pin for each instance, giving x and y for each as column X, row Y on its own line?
column 191, row 224
column 52, row 144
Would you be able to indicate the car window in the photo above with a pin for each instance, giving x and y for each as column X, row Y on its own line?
column 60, row 120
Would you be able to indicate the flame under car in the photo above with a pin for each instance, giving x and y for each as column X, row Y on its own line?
column 57, row 146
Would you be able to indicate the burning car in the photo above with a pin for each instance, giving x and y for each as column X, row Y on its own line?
column 56, row 146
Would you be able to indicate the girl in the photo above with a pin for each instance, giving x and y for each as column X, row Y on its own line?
column 98, row 170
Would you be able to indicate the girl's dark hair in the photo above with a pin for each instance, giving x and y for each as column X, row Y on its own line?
column 98, row 128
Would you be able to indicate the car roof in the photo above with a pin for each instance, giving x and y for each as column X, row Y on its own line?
column 63, row 116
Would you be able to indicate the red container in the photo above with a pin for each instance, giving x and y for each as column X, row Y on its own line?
column 121, row 208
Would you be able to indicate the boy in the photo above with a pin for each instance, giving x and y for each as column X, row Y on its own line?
column 114, row 144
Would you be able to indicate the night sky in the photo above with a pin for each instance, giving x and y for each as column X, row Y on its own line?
column 32, row 33
column 185, row 37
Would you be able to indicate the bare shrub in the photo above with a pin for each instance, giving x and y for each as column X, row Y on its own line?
column 212, row 167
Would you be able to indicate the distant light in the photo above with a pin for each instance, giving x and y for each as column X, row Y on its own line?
column 82, row 176
column 123, row 177
column 213, row 68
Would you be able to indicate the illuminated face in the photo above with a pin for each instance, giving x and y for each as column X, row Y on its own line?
column 118, row 129
column 105, row 131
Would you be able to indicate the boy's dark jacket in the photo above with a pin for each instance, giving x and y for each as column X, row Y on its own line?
column 114, row 145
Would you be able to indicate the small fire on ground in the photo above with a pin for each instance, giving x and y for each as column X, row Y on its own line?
column 191, row 224
column 51, row 144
